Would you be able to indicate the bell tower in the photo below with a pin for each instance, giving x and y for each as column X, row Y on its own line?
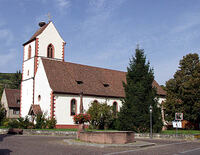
column 47, row 43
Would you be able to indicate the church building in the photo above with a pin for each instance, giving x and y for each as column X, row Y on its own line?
column 62, row 89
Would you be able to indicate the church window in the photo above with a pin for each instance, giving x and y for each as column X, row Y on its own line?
column 29, row 52
column 28, row 73
column 115, row 107
column 73, row 107
column 15, row 111
column 50, row 51
column 39, row 98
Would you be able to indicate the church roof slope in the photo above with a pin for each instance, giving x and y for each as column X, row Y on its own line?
column 66, row 77
column 13, row 96
column 37, row 33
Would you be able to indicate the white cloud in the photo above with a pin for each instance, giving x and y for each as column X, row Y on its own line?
column 186, row 22
column 97, row 3
column 7, row 58
column 63, row 3
column 6, row 36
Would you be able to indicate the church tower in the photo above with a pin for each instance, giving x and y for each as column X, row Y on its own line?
column 47, row 43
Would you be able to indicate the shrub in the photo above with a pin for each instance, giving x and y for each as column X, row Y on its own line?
column 24, row 123
column 81, row 118
column 101, row 115
column 51, row 123
column 40, row 121
column 13, row 123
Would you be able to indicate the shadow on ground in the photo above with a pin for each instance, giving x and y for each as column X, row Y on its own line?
column 4, row 151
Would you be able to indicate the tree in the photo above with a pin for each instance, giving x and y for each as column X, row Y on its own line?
column 139, row 95
column 2, row 113
column 183, row 90
column 16, row 80
column 101, row 115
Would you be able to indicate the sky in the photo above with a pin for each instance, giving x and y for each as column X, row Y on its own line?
column 105, row 33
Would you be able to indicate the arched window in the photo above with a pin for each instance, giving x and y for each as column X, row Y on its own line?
column 50, row 51
column 115, row 107
column 73, row 107
column 39, row 98
column 29, row 52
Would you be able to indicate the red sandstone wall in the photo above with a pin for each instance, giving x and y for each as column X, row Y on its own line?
column 107, row 137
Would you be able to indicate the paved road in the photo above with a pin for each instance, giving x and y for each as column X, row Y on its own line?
column 43, row 145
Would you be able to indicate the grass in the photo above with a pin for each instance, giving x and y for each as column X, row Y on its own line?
column 181, row 132
column 100, row 130
column 3, row 127
column 57, row 129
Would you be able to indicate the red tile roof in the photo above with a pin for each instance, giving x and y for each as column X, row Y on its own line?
column 37, row 33
column 64, row 77
column 35, row 108
column 13, row 95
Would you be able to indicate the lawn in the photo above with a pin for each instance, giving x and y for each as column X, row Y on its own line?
column 181, row 131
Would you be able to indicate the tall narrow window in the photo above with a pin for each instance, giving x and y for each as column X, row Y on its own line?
column 73, row 107
column 114, row 107
column 50, row 51
column 29, row 52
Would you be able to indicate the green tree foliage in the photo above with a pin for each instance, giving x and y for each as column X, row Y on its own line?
column 101, row 115
column 2, row 113
column 139, row 95
column 10, row 80
column 16, row 80
column 183, row 90
column 40, row 121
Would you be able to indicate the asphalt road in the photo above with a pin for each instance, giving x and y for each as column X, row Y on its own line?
column 43, row 145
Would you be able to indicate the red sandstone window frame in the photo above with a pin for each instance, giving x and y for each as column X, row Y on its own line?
column 71, row 107
column 116, row 105
column 53, row 51
column 29, row 51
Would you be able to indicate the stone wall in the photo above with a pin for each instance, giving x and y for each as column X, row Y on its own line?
column 118, row 137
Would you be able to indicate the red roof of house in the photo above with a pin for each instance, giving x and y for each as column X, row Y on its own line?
column 64, row 77
column 35, row 108
column 37, row 33
column 13, row 96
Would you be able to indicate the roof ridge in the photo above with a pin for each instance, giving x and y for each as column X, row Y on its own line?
column 85, row 65
column 37, row 33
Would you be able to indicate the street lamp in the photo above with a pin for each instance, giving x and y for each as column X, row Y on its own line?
column 150, row 110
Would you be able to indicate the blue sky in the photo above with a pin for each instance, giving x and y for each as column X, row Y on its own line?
column 105, row 33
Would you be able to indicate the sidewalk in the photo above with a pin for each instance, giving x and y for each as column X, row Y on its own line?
column 137, row 144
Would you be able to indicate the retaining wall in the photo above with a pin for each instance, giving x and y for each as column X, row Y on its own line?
column 116, row 137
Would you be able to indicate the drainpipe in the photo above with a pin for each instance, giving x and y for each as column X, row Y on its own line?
column 81, row 102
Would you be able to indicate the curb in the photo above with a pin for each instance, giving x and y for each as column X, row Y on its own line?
column 137, row 144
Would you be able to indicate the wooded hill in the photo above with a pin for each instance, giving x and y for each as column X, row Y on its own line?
column 9, row 80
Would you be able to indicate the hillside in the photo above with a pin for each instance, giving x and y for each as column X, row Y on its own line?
column 6, row 79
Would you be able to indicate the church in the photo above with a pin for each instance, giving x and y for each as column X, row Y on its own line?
column 62, row 89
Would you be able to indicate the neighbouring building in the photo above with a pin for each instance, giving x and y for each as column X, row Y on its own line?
column 11, row 102
column 63, row 89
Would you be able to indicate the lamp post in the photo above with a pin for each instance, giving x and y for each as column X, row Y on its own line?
column 150, row 110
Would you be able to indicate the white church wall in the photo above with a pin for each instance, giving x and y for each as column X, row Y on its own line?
column 43, row 89
column 50, row 35
column 32, row 44
column 27, row 97
column 28, row 71
column 62, row 106
column 87, row 100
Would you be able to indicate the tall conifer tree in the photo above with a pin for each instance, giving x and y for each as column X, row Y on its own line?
column 139, row 95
